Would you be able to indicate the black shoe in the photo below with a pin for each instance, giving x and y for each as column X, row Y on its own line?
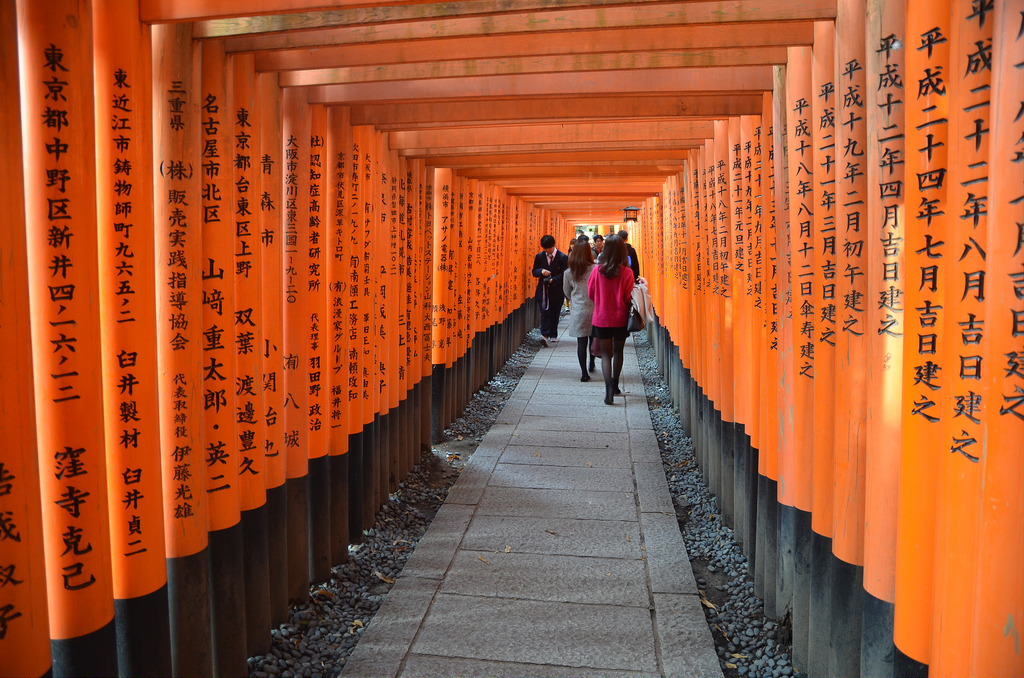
column 591, row 363
column 585, row 377
column 608, row 399
column 616, row 391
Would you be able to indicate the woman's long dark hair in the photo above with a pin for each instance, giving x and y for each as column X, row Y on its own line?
column 613, row 256
column 580, row 261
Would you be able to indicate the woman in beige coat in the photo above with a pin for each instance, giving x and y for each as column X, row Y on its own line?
column 581, row 308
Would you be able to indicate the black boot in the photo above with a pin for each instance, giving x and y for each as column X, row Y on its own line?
column 608, row 397
column 591, row 363
column 615, row 388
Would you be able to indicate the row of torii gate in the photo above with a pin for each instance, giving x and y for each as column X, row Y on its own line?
column 257, row 255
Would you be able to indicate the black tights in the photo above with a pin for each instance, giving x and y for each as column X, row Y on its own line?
column 611, row 365
column 582, row 352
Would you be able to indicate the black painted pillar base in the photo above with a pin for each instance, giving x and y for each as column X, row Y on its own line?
column 847, row 618
column 188, row 602
column 298, row 539
column 143, row 635
column 257, row 580
column 227, row 601
column 802, row 555
column 437, row 381
column 356, row 487
column 820, row 608
column 785, row 571
column 277, row 553
column 319, row 508
column 338, row 467
column 92, row 654
column 877, row 649
column 369, row 485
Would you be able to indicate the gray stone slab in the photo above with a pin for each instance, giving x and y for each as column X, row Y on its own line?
column 555, row 536
column 556, row 579
column 652, row 489
column 436, row 549
column 562, row 477
column 637, row 415
column 558, row 456
column 555, row 401
column 668, row 565
column 687, row 648
column 390, row 633
column 590, row 408
column 551, row 438
column 470, row 486
column 572, row 504
column 564, row 424
column 530, row 632
column 427, row 666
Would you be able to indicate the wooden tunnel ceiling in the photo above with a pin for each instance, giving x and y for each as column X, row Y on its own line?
column 581, row 107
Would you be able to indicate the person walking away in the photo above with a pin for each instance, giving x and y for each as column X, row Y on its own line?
column 548, row 267
column 633, row 261
column 581, row 308
column 610, row 288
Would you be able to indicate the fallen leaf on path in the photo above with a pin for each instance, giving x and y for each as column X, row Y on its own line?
column 382, row 577
column 738, row 656
column 484, row 559
column 629, row 539
column 730, row 665
column 551, row 532
column 508, row 549
column 708, row 603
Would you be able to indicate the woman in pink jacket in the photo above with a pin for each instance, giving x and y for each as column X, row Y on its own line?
column 610, row 287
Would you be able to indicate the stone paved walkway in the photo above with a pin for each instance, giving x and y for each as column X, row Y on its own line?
column 557, row 552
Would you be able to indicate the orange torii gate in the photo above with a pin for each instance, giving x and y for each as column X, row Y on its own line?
column 256, row 264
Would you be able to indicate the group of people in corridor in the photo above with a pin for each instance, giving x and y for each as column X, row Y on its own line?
column 597, row 280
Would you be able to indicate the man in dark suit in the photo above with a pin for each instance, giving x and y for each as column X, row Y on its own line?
column 548, row 267
column 634, row 261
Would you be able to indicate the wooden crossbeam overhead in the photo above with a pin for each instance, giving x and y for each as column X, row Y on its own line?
column 424, row 115
column 617, row 61
column 555, row 20
column 740, row 79
column 577, row 106
column 519, row 45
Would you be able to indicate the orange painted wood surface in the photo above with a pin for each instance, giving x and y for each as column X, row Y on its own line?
column 58, row 141
column 124, row 214
column 25, row 647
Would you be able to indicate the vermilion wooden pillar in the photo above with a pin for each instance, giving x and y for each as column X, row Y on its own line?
column 318, row 337
column 441, row 284
column 885, row 102
column 964, row 413
column 58, row 142
column 851, row 303
column 824, row 299
column 928, row 273
column 247, row 331
column 354, row 295
column 363, row 144
column 295, row 119
column 25, row 646
column 796, row 473
column 125, row 196
column 272, row 385
column 218, row 320
column 178, row 238
column 998, row 591
column 337, row 248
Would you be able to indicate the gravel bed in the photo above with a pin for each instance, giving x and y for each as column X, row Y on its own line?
column 321, row 634
column 748, row 643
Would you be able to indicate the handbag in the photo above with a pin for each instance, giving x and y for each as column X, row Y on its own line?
column 636, row 320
